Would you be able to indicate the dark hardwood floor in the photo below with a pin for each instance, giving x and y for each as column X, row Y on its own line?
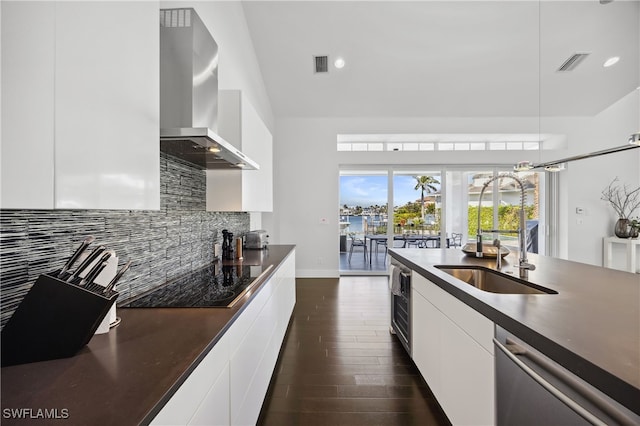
column 359, row 264
column 339, row 364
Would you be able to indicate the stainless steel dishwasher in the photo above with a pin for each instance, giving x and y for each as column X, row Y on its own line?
column 531, row 389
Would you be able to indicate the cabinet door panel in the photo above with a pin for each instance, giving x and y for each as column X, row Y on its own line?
column 242, row 325
column 248, row 413
column 287, row 299
column 467, row 388
column 426, row 340
column 214, row 409
column 107, row 105
column 472, row 322
column 257, row 185
column 186, row 401
column 28, row 52
column 242, row 190
column 245, row 386
column 448, row 351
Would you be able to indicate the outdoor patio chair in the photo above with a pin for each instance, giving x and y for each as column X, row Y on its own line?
column 357, row 242
column 382, row 243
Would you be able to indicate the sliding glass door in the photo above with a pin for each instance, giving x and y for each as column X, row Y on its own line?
column 500, row 206
column 417, row 208
column 431, row 208
column 363, row 218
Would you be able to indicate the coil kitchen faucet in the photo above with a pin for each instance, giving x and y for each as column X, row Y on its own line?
column 523, row 263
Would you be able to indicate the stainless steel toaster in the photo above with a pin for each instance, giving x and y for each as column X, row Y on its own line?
column 257, row 239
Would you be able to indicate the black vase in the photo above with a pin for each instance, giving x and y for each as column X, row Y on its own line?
column 623, row 228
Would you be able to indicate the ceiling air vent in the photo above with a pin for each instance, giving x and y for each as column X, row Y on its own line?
column 573, row 61
column 321, row 63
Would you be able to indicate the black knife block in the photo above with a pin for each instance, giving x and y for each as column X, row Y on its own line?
column 55, row 320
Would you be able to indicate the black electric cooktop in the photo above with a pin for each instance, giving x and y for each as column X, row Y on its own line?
column 214, row 286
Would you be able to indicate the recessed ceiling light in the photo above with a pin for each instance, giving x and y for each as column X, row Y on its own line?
column 611, row 61
column 339, row 63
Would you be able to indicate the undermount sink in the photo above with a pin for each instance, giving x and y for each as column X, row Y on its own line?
column 492, row 281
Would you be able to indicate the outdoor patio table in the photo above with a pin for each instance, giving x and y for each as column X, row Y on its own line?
column 406, row 238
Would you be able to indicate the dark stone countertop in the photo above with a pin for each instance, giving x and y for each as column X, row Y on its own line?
column 126, row 376
column 591, row 327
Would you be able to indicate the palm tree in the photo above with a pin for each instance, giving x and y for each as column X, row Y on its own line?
column 425, row 183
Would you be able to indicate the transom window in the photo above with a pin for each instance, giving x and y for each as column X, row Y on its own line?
column 439, row 142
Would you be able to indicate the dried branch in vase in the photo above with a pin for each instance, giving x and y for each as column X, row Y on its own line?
column 622, row 198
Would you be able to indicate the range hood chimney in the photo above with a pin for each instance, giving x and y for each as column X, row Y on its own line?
column 189, row 94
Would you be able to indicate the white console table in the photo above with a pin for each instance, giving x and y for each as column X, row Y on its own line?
column 631, row 244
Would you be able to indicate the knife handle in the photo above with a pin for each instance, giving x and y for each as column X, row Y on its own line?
column 76, row 255
column 115, row 279
column 93, row 274
column 88, row 261
column 105, row 256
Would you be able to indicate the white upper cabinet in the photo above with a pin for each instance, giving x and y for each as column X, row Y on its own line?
column 93, row 119
column 27, row 104
column 242, row 190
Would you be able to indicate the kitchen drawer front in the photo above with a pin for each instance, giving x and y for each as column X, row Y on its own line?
column 186, row 402
column 247, row 391
column 248, row 411
column 243, row 323
column 473, row 323
column 215, row 408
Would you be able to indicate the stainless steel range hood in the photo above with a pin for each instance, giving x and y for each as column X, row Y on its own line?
column 189, row 94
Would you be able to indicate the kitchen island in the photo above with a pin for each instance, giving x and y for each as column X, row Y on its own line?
column 126, row 377
column 591, row 326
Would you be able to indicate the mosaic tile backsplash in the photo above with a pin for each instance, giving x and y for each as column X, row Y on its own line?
column 163, row 244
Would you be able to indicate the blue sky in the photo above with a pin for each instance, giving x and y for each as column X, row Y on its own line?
column 370, row 190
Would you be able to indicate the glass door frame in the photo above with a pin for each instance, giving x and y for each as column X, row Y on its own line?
column 547, row 215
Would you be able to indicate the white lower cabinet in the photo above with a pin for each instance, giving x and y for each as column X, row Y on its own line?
column 256, row 344
column 246, row 359
column 427, row 322
column 467, row 385
column 203, row 399
column 452, row 346
column 229, row 385
column 214, row 409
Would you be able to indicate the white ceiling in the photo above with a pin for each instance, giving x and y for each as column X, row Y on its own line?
column 444, row 58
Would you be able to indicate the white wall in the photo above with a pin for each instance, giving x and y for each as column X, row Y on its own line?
column 306, row 181
column 582, row 183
